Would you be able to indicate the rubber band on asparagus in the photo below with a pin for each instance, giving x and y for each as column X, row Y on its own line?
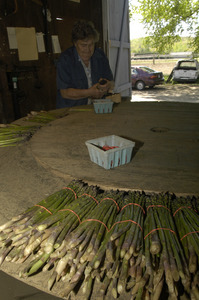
column 134, row 204
column 189, row 234
column 44, row 208
column 68, row 188
column 90, row 197
column 158, row 205
column 67, row 209
column 159, row 229
column 182, row 208
column 113, row 201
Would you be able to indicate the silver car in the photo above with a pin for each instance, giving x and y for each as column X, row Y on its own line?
column 186, row 71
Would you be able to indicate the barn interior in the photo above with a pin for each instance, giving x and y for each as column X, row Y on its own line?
column 28, row 82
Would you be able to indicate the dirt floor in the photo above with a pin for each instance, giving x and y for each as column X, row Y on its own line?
column 182, row 93
column 23, row 183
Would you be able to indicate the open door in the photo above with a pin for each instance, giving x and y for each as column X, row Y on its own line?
column 116, row 36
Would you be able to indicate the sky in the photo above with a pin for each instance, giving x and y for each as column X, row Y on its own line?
column 137, row 29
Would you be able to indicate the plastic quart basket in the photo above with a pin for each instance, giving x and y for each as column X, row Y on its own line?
column 114, row 157
column 103, row 106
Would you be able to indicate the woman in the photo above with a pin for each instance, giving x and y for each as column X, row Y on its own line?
column 83, row 71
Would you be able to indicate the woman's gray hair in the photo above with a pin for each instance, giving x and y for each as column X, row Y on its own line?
column 84, row 29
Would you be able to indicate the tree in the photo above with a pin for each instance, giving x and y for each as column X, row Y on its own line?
column 165, row 21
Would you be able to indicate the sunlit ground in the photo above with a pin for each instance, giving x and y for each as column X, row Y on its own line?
column 170, row 93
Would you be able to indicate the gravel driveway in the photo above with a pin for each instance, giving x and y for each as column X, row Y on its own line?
column 176, row 93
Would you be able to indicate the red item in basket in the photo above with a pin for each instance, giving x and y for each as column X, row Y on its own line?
column 106, row 147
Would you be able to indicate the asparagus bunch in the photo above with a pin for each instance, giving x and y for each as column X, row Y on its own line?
column 12, row 135
column 133, row 244
column 61, row 224
column 89, row 242
column 113, row 263
column 186, row 220
column 164, row 255
column 25, row 232
column 43, row 117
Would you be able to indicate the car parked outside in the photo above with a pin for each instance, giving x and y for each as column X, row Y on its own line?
column 142, row 76
column 186, row 71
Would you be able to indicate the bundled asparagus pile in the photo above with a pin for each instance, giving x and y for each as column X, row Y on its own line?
column 123, row 260
column 88, row 241
column 43, row 117
column 164, row 255
column 98, row 244
column 12, row 135
column 24, row 233
column 187, row 223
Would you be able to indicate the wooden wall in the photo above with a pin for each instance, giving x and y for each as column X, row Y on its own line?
column 36, row 79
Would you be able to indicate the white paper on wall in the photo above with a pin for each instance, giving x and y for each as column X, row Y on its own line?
column 55, row 44
column 40, row 42
column 12, row 40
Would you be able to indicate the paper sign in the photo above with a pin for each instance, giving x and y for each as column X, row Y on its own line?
column 55, row 43
column 40, row 42
column 12, row 37
column 27, row 43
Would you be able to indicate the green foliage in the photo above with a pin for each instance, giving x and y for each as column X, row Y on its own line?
column 165, row 21
column 142, row 45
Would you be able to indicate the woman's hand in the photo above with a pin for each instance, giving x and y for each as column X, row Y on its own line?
column 97, row 91
column 105, row 85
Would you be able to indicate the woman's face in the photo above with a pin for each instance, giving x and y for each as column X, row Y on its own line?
column 85, row 48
